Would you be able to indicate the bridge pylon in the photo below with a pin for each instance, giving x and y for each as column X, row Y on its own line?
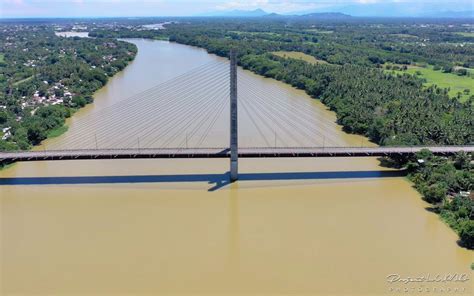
column 234, row 156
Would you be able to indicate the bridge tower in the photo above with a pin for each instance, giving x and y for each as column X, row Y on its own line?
column 234, row 157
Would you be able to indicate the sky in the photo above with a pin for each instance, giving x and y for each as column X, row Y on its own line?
column 123, row 8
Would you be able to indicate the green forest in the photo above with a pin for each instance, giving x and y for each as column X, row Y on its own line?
column 440, row 180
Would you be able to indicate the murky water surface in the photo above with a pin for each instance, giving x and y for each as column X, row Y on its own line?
column 178, row 227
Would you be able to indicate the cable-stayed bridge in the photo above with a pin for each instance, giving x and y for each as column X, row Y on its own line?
column 184, row 116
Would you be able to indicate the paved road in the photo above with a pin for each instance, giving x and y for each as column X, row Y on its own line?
column 224, row 153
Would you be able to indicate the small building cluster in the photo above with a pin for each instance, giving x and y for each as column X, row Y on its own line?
column 56, row 94
column 6, row 133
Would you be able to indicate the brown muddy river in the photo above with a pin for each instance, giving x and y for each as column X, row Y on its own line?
column 289, row 226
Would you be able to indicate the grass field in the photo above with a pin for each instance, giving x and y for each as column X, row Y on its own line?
column 444, row 80
column 404, row 36
column 466, row 34
column 2, row 58
column 58, row 131
column 299, row 56
column 319, row 31
column 163, row 38
column 255, row 33
column 23, row 80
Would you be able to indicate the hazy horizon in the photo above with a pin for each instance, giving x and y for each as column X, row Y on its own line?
column 187, row 8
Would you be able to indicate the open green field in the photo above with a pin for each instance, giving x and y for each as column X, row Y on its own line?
column 57, row 131
column 319, row 31
column 255, row 33
column 466, row 34
column 23, row 80
column 2, row 58
column 163, row 38
column 404, row 36
column 299, row 56
column 444, row 80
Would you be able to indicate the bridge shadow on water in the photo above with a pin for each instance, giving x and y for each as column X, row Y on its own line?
column 217, row 180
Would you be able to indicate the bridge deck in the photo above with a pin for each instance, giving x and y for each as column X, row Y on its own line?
column 224, row 153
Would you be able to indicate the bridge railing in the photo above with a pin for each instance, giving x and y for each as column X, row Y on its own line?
column 244, row 148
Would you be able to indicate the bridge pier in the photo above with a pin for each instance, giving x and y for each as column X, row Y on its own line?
column 234, row 161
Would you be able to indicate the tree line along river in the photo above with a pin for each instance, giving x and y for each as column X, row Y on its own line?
column 317, row 235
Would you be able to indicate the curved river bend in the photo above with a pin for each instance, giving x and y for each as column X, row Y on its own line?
column 328, row 233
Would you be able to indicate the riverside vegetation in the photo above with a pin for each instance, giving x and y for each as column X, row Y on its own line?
column 445, row 183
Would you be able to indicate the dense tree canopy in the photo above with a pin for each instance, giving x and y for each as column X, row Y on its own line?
column 440, row 181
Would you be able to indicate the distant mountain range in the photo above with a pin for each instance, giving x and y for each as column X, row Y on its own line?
column 262, row 13
column 368, row 10
column 397, row 9
column 326, row 15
